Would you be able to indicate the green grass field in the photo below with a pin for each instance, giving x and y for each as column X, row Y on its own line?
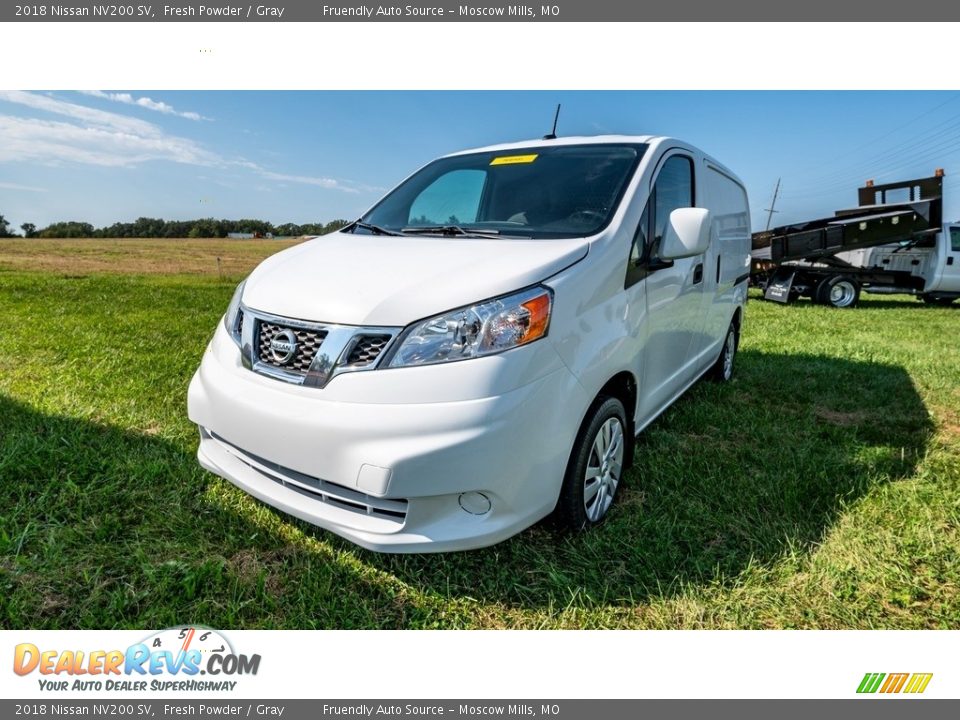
column 821, row 488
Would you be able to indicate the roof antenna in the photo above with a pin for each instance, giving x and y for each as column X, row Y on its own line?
column 552, row 135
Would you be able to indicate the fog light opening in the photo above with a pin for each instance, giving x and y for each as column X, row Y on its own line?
column 475, row 503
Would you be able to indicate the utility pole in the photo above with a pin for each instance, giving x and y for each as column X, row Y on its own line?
column 773, row 203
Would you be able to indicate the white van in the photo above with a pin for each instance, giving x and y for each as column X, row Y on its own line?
column 482, row 346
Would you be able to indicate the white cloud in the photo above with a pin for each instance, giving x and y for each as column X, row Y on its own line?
column 325, row 182
column 98, row 137
column 144, row 102
column 91, row 116
column 51, row 142
column 23, row 188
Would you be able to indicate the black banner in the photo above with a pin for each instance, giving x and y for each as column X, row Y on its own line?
column 473, row 11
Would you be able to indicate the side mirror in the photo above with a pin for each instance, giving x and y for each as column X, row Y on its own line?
column 687, row 234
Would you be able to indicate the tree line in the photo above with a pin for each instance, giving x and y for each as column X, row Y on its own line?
column 157, row 228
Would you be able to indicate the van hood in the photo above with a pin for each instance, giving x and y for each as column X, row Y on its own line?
column 394, row 280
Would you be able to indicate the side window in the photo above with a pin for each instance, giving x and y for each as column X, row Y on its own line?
column 673, row 189
column 955, row 239
column 451, row 199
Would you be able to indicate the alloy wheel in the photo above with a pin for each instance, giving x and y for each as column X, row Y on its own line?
column 603, row 469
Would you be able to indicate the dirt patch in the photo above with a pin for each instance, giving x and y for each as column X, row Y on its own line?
column 843, row 419
column 152, row 429
column 52, row 604
column 951, row 430
column 948, row 420
column 249, row 566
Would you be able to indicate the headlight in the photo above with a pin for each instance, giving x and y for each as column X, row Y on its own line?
column 232, row 320
column 486, row 328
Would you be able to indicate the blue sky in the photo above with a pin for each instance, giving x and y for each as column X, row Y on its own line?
column 106, row 156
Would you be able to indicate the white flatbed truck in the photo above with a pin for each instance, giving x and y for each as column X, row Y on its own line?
column 894, row 241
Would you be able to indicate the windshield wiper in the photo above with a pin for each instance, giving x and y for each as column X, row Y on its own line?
column 449, row 230
column 375, row 229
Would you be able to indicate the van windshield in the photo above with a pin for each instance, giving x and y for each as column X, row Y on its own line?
column 561, row 191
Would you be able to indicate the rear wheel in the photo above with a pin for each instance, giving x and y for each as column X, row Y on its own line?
column 722, row 370
column 595, row 468
column 839, row 291
column 934, row 300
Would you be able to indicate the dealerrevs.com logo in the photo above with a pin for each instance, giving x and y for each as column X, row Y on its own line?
column 172, row 659
column 891, row 683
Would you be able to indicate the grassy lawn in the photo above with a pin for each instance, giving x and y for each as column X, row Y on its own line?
column 820, row 489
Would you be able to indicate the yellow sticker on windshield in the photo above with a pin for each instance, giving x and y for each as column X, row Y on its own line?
column 513, row 159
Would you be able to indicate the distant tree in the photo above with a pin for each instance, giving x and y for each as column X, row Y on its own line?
column 288, row 230
column 158, row 228
column 205, row 228
column 335, row 225
column 5, row 228
column 148, row 227
column 69, row 229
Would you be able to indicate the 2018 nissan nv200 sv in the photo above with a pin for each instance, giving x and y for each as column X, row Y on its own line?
column 480, row 348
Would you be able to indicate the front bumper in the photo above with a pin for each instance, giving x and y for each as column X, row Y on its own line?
column 397, row 476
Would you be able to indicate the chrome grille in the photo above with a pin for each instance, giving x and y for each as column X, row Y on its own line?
column 367, row 349
column 323, row 350
column 308, row 342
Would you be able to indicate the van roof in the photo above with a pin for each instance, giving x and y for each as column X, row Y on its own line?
column 565, row 140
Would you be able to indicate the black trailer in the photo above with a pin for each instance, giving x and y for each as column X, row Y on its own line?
column 802, row 259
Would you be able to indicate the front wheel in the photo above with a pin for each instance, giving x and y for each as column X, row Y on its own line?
column 595, row 468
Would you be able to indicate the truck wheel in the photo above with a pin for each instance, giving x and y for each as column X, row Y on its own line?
column 595, row 467
column 933, row 300
column 839, row 291
column 722, row 369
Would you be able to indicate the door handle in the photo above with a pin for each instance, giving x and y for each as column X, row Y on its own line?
column 698, row 274
column 950, row 260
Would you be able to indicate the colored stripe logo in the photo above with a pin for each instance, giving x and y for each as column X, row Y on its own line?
column 913, row 683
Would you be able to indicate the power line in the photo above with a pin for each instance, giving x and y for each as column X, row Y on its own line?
column 887, row 134
column 864, row 168
column 939, row 152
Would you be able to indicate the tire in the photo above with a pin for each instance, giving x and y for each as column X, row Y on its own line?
column 722, row 370
column 591, row 481
column 839, row 291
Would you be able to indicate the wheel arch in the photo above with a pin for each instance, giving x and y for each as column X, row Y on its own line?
column 737, row 321
column 623, row 387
